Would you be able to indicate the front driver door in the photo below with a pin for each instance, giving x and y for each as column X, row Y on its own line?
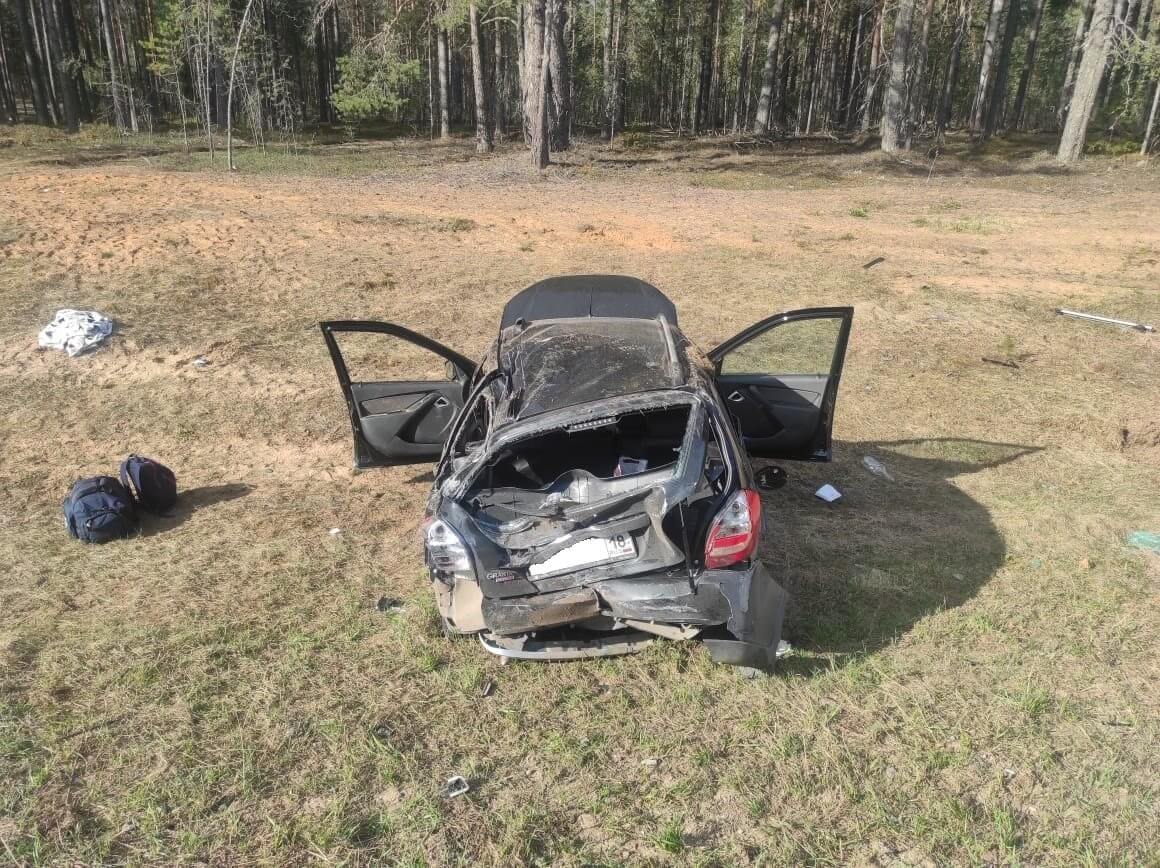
column 403, row 421
column 779, row 379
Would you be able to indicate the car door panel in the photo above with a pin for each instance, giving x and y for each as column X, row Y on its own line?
column 398, row 422
column 778, row 413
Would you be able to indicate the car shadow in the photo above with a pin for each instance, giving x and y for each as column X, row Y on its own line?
column 190, row 501
column 864, row 570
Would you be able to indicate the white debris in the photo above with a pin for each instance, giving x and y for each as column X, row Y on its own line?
column 335, row 531
column 75, row 331
column 876, row 467
column 200, row 362
column 828, row 493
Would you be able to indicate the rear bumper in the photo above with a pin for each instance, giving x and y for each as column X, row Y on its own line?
column 741, row 611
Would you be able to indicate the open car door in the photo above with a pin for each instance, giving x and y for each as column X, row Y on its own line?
column 398, row 421
column 779, row 379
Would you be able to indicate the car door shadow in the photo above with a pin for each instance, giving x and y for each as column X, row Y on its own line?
column 861, row 572
column 190, row 501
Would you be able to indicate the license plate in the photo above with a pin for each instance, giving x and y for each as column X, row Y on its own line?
column 590, row 552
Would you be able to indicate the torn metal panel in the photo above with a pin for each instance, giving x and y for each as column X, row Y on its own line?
column 757, row 610
column 569, row 648
column 540, row 610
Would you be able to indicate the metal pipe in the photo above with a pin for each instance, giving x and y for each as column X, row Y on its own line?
column 1140, row 327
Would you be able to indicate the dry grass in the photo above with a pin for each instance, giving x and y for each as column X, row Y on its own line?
column 975, row 679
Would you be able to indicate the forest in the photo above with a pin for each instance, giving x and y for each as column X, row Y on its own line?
column 552, row 70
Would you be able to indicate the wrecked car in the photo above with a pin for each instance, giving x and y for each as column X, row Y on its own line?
column 592, row 484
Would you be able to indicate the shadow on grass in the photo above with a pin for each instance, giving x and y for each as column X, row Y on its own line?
column 865, row 570
column 191, row 501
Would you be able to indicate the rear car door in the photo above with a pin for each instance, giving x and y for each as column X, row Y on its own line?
column 403, row 421
column 779, row 379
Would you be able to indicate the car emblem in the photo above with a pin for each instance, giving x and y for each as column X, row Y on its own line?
column 500, row 576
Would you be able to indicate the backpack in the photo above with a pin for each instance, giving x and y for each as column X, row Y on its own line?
column 99, row 509
column 152, row 483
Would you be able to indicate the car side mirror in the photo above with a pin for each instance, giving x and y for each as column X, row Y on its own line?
column 771, row 478
column 452, row 371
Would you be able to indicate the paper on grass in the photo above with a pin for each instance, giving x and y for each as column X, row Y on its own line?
column 828, row 493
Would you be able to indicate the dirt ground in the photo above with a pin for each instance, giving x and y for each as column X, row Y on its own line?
column 976, row 646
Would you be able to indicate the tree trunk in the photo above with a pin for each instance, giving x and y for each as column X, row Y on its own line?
column 954, row 58
column 917, row 96
column 36, row 17
column 769, row 71
column 1087, row 83
column 483, row 141
column 609, row 67
column 712, row 116
column 537, row 70
column 620, row 79
column 705, row 81
column 1068, row 88
column 1151, row 123
column 1148, row 116
column 7, row 84
column 70, row 98
column 127, row 75
column 560, row 77
column 323, row 56
column 894, row 110
column 742, row 69
column 983, row 86
column 205, row 78
column 230, row 88
column 111, row 56
column 73, row 49
column 444, row 86
column 32, row 62
column 499, row 83
column 790, row 26
column 852, row 78
column 873, row 73
column 806, row 65
column 997, row 104
column 683, row 100
column 1028, row 65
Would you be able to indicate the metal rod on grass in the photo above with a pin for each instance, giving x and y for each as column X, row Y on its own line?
column 1092, row 317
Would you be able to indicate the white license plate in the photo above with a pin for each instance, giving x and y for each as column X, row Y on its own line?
column 590, row 552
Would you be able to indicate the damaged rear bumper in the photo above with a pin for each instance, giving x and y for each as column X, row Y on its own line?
column 739, row 612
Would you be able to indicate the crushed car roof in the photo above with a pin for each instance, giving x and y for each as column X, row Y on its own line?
column 560, row 363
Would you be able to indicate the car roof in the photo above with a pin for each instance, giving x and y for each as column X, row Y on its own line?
column 557, row 363
column 588, row 295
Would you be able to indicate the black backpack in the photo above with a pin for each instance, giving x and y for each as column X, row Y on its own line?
column 99, row 509
column 153, row 484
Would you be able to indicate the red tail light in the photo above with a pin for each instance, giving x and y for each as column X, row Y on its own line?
column 733, row 536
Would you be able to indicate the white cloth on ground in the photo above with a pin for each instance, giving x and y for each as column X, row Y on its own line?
column 75, row 331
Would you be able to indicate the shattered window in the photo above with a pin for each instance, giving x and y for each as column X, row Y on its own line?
column 563, row 363
column 804, row 346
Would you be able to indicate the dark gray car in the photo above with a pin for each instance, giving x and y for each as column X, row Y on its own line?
column 593, row 489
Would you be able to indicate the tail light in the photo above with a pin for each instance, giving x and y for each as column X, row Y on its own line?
column 446, row 552
column 733, row 536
